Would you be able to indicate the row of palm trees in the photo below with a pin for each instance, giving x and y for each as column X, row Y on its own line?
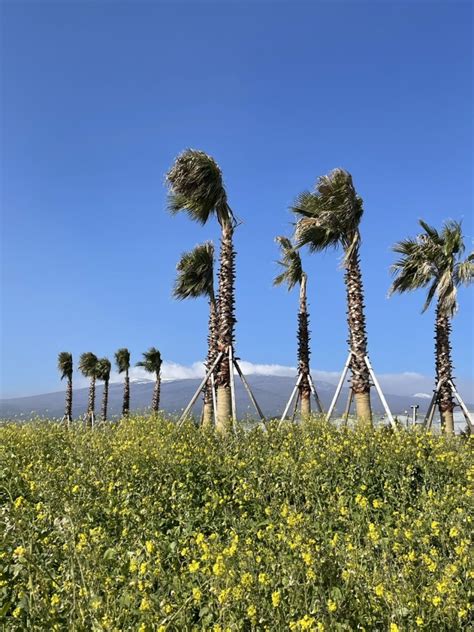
column 96, row 368
column 327, row 217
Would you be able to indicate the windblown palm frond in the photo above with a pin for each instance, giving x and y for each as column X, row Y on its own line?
column 103, row 368
column 291, row 263
column 195, row 273
column 88, row 364
column 329, row 216
column 196, row 187
column 433, row 258
column 151, row 361
column 122, row 359
column 65, row 365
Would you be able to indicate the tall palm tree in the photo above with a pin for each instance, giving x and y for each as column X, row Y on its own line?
column 88, row 368
column 330, row 217
column 292, row 275
column 103, row 373
column 196, row 278
column 196, row 187
column 65, row 367
column 152, row 364
column 434, row 259
column 122, row 361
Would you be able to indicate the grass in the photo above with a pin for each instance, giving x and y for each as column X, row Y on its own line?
column 140, row 526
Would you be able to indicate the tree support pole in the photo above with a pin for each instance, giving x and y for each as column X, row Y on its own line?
column 249, row 391
column 339, row 386
column 428, row 420
column 214, row 399
column 348, row 406
column 232, row 389
column 315, row 394
column 295, row 407
column 287, row 407
column 464, row 409
column 380, row 393
column 199, row 390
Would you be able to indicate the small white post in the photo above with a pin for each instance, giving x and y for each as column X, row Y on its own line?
column 199, row 390
column 287, row 408
column 339, row 386
column 380, row 393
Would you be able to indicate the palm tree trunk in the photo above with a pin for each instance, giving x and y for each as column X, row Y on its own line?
column 358, row 338
column 68, row 407
column 226, row 325
column 105, row 400
column 444, row 370
column 91, row 403
column 155, row 403
column 303, row 352
column 126, row 395
column 208, row 410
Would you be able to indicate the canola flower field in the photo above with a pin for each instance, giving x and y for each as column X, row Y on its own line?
column 141, row 526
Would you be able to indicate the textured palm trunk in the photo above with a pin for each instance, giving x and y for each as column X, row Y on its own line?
column 68, row 406
column 303, row 352
column 358, row 339
column 91, row 403
column 126, row 395
column 208, row 410
column 226, row 323
column 155, row 403
column 444, row 370
column 105, row 400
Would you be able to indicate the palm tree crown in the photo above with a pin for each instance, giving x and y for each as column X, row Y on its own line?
column 103, row 368
column 291, row 263
column 65, row 365
column 122, row 360
column 196, row 273
column 151, row 361
column 197, row 187
column 434, row 259
column 88, row 364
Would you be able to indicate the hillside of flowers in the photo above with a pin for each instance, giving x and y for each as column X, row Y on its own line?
column 142, row 526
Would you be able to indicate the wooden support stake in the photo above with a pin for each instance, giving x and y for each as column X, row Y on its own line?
column 428, row 420
column 199, row 390
column 315, row 394
column 249, row 392
column 380, row 393
column 339, row 386
column 214, row 399
column 348, row 406
column 232, row 389
column 293, row 393
column 467, row 415
column 295, row 407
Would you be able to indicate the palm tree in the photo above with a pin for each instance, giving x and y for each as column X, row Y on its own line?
column 196, row 187
column 330, row 217
column 196, row 278
column 292, row 275
column 88, row 368
column 65, row 367
column 103, row 373
column 122, row 360
column 152, row 364
column 434, row 259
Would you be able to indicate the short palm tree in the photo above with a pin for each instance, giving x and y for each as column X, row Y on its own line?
column 330, row 217
column 293, row 275
column 103, row 373
column 434, row 260
column 152, row 364
column 122, row 361
column 196, row 187
column 196, row 278
column 65, row 367
column 88, row 368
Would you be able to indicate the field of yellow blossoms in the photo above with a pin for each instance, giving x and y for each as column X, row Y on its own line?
column 141, row 526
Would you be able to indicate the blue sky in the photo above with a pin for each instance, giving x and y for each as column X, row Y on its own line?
column 98, row 98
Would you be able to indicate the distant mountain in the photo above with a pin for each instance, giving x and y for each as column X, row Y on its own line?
column 271, row 392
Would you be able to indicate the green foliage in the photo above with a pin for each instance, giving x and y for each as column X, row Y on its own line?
column 434, row 259
column 291, row 263
column 151, row 361
column 103, row 369
column 143, row 526
column 88, row 364
column 65, row 365
column 122, row 359
column 195, row 276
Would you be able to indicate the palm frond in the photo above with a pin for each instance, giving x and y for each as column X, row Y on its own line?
column 88, row 364
column 151, row 361
column 464, row 271
column 122, row 359
column 291, row 263
column 195, row 273
column 65, row 365
column 103, row 368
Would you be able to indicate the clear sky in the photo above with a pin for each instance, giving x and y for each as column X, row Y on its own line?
column 98, row 98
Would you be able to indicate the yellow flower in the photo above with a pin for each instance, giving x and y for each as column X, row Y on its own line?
column 276, row 599
column 419, row 621
column 453, row 532
column 197, row 595
column 246, row 580
column 379, row 590
column 376, row 503
column 251, row 611
column 19, row 551
column 75, row 489
column 307, row 559
column 263, row 579
column 394, row 627
column 150, row 547
column 18, row 502
column 332, row 606
column 17, row 612
column 194, row 566
column 55, row 600
column 145, row 604
column 436, row 601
